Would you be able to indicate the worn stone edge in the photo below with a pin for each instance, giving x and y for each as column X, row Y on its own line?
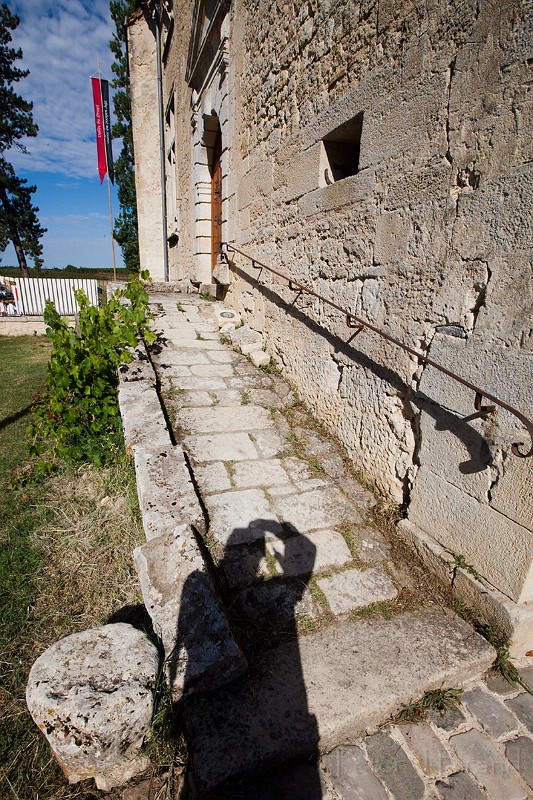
column 514, row 620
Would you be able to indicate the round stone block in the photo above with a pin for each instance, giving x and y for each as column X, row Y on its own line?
column 92, row 694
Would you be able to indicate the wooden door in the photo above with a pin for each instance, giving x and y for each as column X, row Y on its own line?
column 216, row 200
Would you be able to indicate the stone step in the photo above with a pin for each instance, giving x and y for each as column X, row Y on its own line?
column 308, row 695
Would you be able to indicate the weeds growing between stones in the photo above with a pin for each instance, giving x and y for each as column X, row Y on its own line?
column 440, row 700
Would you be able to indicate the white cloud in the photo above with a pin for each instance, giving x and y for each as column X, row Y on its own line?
column 62, row 43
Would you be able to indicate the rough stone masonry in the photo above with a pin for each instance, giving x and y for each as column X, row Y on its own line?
column 380, row 153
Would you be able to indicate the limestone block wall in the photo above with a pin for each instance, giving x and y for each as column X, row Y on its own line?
column 145, row 122
column 429, row 241
column 427, row 236
column 181, row 248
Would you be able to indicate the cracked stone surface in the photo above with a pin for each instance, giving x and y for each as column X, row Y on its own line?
column 92, row 694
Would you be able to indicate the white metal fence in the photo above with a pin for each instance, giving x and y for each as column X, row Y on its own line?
column 31, row 294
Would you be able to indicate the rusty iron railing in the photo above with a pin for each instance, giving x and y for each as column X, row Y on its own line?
column 359, row 325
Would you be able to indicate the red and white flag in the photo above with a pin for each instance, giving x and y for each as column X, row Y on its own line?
column 102, row 119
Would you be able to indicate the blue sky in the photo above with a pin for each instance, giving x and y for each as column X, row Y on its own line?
column 62, row 42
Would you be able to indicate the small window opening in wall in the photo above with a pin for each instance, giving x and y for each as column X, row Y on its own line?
column 342, row 149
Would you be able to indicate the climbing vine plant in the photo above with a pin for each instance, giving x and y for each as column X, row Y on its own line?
column 77, row 415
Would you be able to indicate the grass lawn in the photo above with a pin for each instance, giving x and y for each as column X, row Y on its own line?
column 23, row 361
column 65, row 565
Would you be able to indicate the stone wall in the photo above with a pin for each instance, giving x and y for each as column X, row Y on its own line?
column 145, row 121
column 428, row 240
column 26, row 326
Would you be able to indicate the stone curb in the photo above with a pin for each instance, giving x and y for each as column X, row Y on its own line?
column 178, row 592
column 513, row 619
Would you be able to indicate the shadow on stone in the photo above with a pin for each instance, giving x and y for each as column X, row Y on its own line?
column 138, row 617
column 445, row 420
column 257, row 727
column 475, row 444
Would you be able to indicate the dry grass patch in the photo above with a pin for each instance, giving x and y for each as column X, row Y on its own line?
column 80, row 528
column 86, row 547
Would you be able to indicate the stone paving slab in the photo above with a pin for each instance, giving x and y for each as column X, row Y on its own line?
column 176, row 341
column 520, row 754
column 352, row 776
column 276, row 607
column 522, row 706
column 496, row 720
column 355, row 588
column 268, row 442
column 201, row 383
column 227, row 397
column 191, row 398
column 393, row 768
column 266, row 472
column 321, row 508
column 314, row 552
column 242, row 516
column 220, row 447
column 183, row 357
column 459, row 787
column 296, row 700
column 212, row 370
column 431, row 755
column 214, row 477
column 488, row 767
column 222, row 419
column 372, row 545
column 242, row 566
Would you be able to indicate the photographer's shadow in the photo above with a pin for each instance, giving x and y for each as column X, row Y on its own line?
column 255, row 738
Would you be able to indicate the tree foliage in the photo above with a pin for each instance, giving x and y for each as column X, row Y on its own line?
column 125, row 230
column 16, row 118
column 18, row 216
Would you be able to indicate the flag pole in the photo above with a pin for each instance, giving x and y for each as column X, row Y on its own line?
column 111, row 228
column 109, row 202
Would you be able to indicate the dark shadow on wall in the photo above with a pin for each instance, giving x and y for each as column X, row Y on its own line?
column 475, row 444
column 253, row 738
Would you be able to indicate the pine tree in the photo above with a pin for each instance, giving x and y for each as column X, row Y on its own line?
column 125, row 229
column 18, row 216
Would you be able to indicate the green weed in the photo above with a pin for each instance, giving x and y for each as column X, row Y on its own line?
column 502, row 662
column 272, row 368
column 440, row 700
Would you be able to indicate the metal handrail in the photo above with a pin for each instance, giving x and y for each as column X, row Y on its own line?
column 353, row 321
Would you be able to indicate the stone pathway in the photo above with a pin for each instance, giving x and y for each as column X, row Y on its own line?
column 302, row 571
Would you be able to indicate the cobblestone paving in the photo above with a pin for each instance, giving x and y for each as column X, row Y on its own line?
column 266, row 483
column 482, row 749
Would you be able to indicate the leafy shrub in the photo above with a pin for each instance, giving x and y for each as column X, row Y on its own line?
column 77, row 416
